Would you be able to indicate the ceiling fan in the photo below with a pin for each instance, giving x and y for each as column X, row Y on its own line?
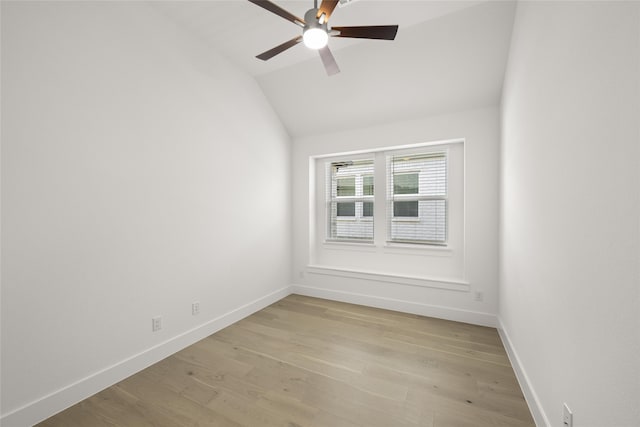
column 316, row 32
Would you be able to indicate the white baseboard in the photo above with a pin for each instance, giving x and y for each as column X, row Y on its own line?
column 59, row 400
column 539, row 416
column 448, row 313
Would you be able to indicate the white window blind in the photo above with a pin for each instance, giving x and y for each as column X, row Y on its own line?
column 350, row 195
column 417, row 198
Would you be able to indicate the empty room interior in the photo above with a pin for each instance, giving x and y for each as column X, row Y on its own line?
column 320, row 214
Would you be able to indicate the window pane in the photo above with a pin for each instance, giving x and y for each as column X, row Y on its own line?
column 432, row 226
column 367, row 185
column 346, row 186
column 346, row 209
column 405, row 209
column 367, row 209
column 405, row 183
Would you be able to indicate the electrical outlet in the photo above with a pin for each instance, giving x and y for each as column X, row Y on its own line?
column 156, row 323
column 478, row 296
column 195, row 308
column 567, row 416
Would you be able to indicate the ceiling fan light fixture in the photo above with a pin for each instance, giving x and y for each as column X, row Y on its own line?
column 315, row 38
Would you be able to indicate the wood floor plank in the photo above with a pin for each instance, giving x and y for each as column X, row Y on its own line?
column 309, row 362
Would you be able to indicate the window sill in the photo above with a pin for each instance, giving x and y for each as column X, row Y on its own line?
column 451, row 284
column 349, row 245
column 389, row 247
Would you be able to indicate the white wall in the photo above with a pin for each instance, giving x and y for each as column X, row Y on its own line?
column 140, row 172
column 570, row 209
column 480, row 129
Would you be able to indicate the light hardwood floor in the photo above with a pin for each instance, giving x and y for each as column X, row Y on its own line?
column 311, row 362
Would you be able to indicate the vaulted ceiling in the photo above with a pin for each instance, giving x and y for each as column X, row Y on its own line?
column 448, row 56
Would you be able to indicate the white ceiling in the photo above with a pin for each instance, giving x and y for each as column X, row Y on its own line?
column 448, row 56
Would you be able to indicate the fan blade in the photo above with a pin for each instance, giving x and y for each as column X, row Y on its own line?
column 327, row 7
column 329, row 61
column 279, row 49
column 274, row 8
column 379, row 32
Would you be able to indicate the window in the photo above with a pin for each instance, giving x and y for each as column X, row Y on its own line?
column 397, row 210
column 414, row 208
column 417, row 198
column 350, row 200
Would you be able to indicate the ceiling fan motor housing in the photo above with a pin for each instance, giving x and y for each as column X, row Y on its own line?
column 313, row 20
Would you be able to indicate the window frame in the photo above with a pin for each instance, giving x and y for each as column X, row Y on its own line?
column 455, row 216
